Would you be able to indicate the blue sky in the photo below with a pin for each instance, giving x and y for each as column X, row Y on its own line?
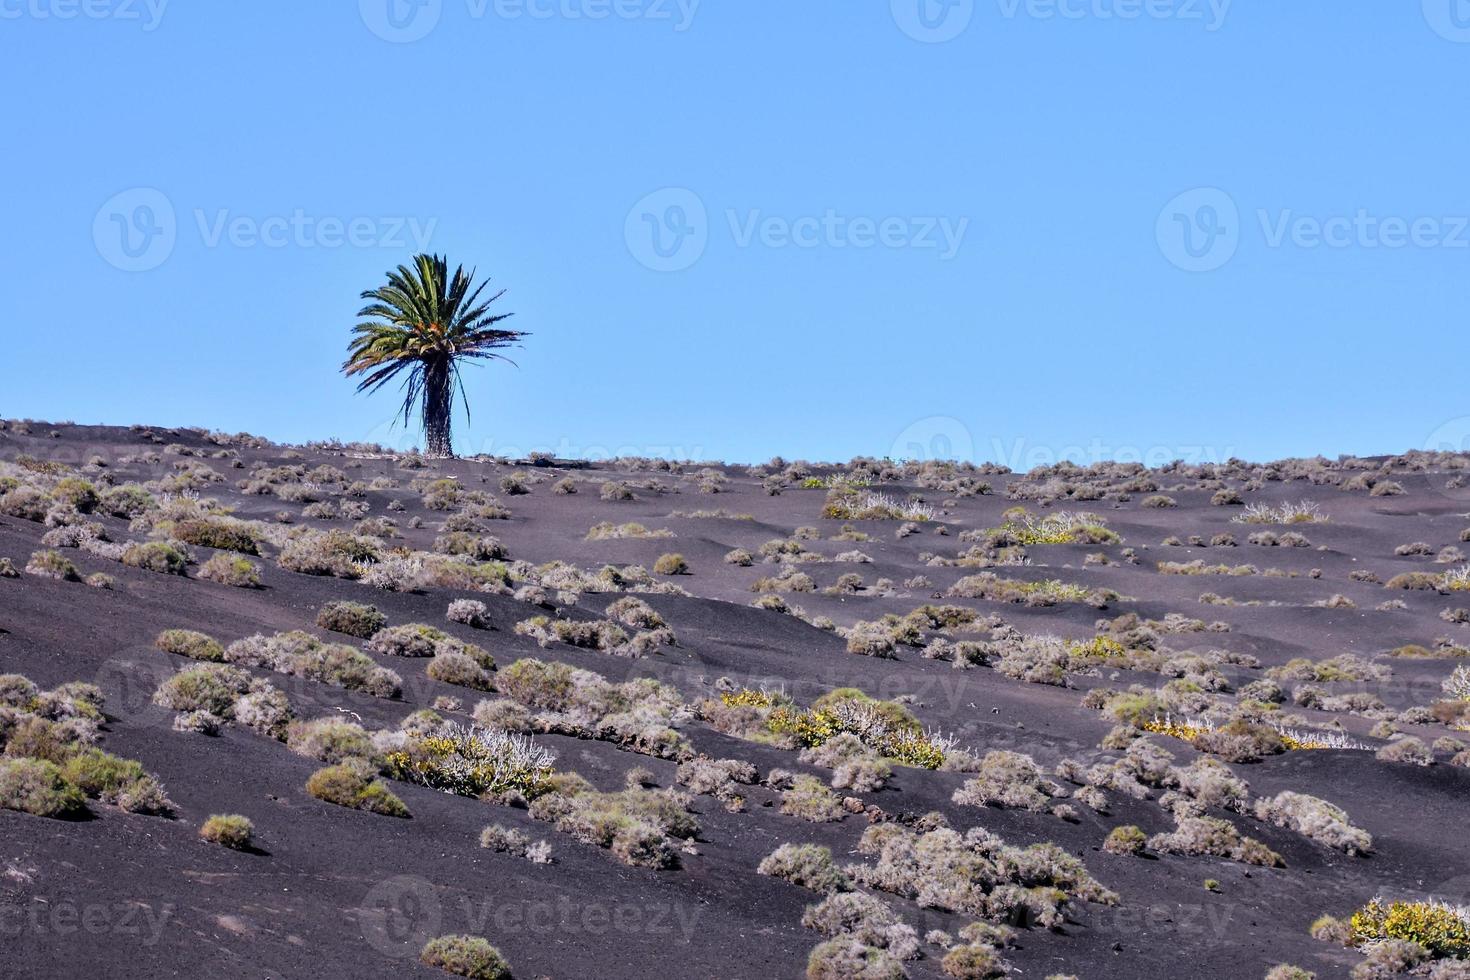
column 1003, row 229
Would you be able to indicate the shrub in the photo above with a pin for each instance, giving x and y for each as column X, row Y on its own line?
column 871, row 640
column 860, row 916
column 191, row 644
column 37, row 787
column 975, row 961
column 302, row 654
column 163, row 557
column 228, row 830
column 507, row 840
column 53, row 564
column 465, row 956
column 810, row 799
column 329, row 740
column 228, row 569
column 1407, row 750
column 1009, row 780
column 208, row 687
column 1216, row 838
column 264, row 710
column 845, row 958
column 807, row 865
column 1125, row 840
column 116, row 780
column 740, row 557
column 1440, row 929
column 410, row 640
column 352, row 784
column 470, row 612
column 461, row 670
column 351, row 618
column 671, row 564
column 1315, row 819
column 1285, row 971
column 223, row 533
column 633, row 611
column 473, row 762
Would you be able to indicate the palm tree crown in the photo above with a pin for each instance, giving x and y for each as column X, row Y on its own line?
column 425, row 323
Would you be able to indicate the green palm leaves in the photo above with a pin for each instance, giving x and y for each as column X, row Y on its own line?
column 425, row 322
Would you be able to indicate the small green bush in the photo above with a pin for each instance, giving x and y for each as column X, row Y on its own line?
column 223, row 533
column 37, row 787
column 231, row 569
column 351, row 618
column 228, row 830
column 465, row 956
column 191, row 644
column 1125, row 840
column 163, row 557
column 53, row 564
column 352, row 784
column 122, row 782
column 671, row 564
column 808, row 865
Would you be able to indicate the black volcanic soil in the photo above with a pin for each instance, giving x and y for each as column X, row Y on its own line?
column 337, row 893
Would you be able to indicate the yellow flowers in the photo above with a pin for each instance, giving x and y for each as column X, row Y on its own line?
column 747, row 699
column 1174, row 729
column 1440, row 929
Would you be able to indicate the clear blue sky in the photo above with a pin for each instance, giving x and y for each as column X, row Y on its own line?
column 1206, row 228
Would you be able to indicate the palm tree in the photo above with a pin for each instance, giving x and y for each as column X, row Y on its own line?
column 425, row 323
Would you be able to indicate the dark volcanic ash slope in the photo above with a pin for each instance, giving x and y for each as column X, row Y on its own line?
column 1280, row 642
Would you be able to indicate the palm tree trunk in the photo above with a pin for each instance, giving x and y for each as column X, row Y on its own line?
column 438, row 411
